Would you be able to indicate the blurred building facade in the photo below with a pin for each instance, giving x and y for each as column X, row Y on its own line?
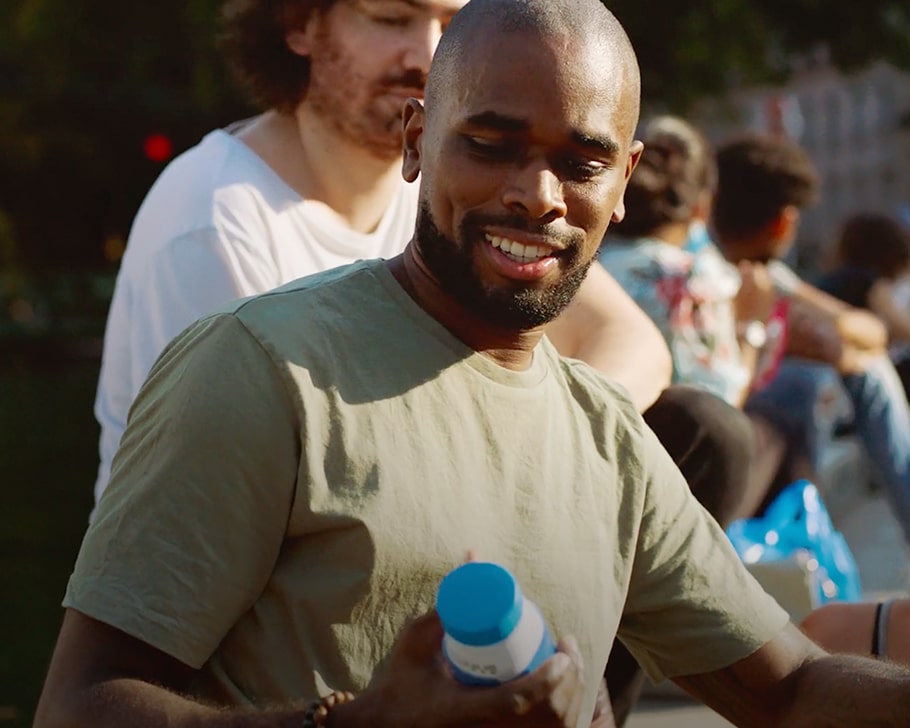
column 855, row 126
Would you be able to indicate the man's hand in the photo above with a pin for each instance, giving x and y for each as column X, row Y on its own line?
column 417, row 688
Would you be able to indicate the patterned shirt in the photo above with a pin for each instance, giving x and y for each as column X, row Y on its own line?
column 689, row 296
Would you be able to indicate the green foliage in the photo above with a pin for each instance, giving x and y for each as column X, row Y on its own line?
column 702, row 47
column 83, row 84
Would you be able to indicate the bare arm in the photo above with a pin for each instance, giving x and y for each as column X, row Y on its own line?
column 792, row 682
column 827, row 329
column 849, row 627
column 855, row 326
column 100, row 677
column 883, row 305
column 605, row 328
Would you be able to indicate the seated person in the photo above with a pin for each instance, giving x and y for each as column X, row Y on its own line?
column 706, row 309
column 872, row 260
column 764, row 181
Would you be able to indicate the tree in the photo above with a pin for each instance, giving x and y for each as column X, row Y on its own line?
column 85, row 82
column 687, row 50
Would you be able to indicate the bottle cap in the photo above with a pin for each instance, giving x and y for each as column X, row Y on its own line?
column 479, row 603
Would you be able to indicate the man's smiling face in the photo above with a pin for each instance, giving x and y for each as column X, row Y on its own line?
column 524, row 155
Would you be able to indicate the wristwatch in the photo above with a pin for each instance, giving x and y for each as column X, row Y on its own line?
column 753, row 333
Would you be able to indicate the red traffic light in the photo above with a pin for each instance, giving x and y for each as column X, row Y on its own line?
column 158, row 147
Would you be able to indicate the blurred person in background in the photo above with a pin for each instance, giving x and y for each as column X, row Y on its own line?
column 872, row 257
column 712, row 315
column 764, row 180
column 707, row 311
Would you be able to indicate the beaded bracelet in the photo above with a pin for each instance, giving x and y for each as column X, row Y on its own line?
column 317, row 714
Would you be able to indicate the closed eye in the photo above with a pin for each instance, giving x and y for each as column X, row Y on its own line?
column 492, row 148
column 394, row 21
column 579, row 169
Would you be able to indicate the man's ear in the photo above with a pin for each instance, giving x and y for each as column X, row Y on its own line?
column 635, row 150
column 299, row 40
column 413, row 119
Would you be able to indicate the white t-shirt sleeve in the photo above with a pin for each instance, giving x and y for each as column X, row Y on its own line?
column 160, row 295
column 188, row 279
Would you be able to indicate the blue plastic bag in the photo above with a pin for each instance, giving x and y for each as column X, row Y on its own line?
column 798, row 522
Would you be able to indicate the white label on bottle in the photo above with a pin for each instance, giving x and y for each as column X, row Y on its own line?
column 503, row 660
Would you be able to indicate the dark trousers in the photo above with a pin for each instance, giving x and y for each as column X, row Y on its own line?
column 713, row 444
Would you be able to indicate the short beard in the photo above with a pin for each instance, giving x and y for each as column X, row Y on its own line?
column 347, row 102
column 512, row 308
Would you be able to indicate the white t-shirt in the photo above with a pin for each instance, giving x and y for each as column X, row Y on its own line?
column 218, row 224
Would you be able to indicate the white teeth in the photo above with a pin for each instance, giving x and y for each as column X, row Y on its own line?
column 522, row 253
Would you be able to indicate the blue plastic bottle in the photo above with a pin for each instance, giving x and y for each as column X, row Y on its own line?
column 493, row 633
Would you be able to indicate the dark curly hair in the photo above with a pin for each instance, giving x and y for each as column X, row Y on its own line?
column 758, row 176
column 252, row 37
column 875, row 242
column 675, row 169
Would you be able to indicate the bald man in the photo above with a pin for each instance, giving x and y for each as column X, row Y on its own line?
column 303, row 467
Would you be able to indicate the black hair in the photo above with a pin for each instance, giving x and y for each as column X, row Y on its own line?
column 676, row 168
column 875, row 242
column 758, row 176
column 253, row 40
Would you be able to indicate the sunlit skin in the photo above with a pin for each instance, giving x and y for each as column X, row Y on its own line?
column 543, row 164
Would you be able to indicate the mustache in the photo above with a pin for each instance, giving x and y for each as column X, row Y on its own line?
column 473, row 224
column 412, row 78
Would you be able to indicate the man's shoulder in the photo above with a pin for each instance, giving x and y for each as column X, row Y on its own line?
column 347, row 285
column 595, row 391
column 218, row 173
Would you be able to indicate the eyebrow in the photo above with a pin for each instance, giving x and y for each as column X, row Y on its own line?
column 417, row 4
column 500, row 122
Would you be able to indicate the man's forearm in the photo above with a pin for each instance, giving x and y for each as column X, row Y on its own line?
column 849, row 691
column 137, row 704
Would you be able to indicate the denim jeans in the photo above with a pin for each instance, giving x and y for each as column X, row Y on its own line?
column 808, row 400
column 881, row 418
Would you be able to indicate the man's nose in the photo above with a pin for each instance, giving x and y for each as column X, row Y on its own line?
column 536, row 192
column 423, row 37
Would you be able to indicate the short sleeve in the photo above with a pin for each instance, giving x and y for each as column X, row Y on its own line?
column 192, row 524
column 692, row 607
column 157, row 296
column 188, row 278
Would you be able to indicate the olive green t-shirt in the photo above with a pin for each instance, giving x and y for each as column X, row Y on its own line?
column 301, row 470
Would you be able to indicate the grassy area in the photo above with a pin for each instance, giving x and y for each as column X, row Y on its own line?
column 48, row 455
